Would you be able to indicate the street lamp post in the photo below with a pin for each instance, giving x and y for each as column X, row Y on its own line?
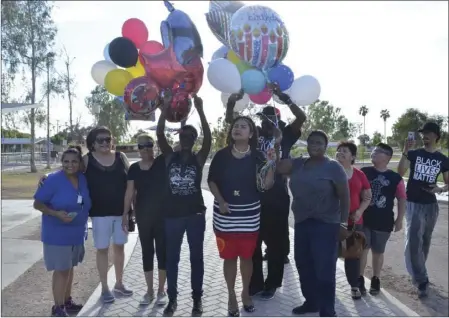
column 50, row 55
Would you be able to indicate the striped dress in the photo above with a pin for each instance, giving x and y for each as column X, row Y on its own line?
column 236, row 180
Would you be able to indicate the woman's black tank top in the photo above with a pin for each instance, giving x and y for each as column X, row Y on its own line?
column 107, row 186
column 184, row 186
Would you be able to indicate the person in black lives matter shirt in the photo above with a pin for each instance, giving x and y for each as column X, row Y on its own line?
column 422, row 210
column 184, row 208
column 275, row 203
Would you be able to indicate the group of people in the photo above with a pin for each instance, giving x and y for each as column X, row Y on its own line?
column 248, row 179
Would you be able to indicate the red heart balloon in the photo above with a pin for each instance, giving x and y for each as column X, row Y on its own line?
column 142, row 95
column 163, row 67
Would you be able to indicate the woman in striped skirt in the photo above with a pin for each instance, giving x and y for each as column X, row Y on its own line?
column 233, row 182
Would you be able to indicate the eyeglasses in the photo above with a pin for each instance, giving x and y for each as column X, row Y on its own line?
column 145, row 145
column 101, row 140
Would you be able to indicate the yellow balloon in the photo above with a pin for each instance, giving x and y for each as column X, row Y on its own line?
column 233, row 57
column 243, row 66
column 136, row 71
column 116, row 81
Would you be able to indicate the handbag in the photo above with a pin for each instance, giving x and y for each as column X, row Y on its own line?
column 131, row 221
column 351, row 243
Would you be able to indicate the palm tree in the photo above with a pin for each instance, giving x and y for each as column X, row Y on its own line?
column 363, row 110
column 385, row 114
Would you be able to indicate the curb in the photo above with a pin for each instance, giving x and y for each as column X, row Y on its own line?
column 386, row 296
column 93, row 305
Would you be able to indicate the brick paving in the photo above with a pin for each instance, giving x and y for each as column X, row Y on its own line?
column 215, row 293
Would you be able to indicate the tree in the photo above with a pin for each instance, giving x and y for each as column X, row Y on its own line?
column 363, row 111
column 111, row 112
column 412, row 120
column 69, row 82
column 219, row 135
column 364, row 139
column 377, row 138
column 28, row 34
column 385, row 114
column 323, row 115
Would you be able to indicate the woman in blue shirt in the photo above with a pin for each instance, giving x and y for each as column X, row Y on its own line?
column 64, row 202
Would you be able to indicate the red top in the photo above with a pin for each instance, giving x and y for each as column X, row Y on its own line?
column 357, row 184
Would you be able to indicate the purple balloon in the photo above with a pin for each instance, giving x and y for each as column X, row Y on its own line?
column 281, row 75
column 179, row 30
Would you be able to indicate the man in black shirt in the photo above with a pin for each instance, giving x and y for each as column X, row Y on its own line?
column 378, row 218
column 275, row 203
column 425, row 165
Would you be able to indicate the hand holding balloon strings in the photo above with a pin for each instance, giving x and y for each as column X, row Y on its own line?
column 285, row 98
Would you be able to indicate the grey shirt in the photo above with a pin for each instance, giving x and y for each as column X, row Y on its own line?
column 314, row 192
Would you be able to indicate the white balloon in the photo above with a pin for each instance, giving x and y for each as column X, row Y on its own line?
column 224, row 76
column 220, row 53
column 305, row 90
column 240, row 105
column 100, row 69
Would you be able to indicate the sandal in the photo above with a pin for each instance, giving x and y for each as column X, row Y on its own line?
column 249, row 308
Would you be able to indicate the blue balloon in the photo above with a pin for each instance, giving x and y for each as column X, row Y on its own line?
column 106, row 53
column 179, row 30
column 282, row 75
column 253, row 82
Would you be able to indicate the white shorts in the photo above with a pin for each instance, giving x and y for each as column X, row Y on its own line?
column 105, row 227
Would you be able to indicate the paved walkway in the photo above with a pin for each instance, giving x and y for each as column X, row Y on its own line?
column 215, row 300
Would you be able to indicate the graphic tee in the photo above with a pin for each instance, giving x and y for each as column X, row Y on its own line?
column 425, row 167
column 289, row 138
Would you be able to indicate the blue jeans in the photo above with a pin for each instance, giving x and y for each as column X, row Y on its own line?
column 316, row 252
column 175, row 228
column 421, row 220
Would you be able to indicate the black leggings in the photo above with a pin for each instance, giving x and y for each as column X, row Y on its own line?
column 352, row 266
column 150, row 234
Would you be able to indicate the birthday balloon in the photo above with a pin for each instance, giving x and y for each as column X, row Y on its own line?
column 180, row 32
column 123, row 52
column 259, row 36
column 100, row 69
column 305, row 90
column 135, row 30
column 219, row 18
column 240, row 105
column 142, row 95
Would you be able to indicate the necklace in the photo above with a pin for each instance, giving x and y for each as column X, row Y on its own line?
column 241, row 152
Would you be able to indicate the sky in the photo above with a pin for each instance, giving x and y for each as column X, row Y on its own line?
column 385, row 55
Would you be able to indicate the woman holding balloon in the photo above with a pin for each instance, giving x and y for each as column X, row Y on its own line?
column 185, row 210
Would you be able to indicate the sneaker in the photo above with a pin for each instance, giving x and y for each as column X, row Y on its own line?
column 253, row 292
column 423, row 289
column 171, row 308
column 147, row 299
column 72, row 307
column 268, row 294
column 161, row 299
column 59, row 311
column 304, row 309
column 197, row 309
column 362, row 287
column 107, row 297
column 375, row 286
column 122, row 290
column 355, row 293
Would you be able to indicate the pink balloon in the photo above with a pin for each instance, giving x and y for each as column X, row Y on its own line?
column 135, row 30
column 151, row 47
column 262, row 98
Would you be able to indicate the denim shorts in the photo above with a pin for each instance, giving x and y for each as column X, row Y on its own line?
column 62, row 257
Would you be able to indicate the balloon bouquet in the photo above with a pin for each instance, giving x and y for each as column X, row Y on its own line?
column 151, row 72
column 255, row 42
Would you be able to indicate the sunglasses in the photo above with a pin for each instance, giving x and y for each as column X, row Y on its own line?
column 145, row 145
column 103, row 140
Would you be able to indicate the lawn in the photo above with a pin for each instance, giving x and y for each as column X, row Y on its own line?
column 20, row 185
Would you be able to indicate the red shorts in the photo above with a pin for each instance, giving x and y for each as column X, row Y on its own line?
column 233, row 245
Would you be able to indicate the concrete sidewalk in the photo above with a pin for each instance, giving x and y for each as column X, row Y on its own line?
column 215, row 300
